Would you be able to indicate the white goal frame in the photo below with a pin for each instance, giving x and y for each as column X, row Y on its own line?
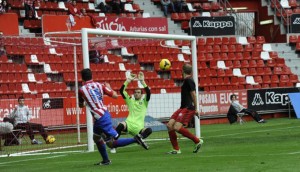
column 86, row 64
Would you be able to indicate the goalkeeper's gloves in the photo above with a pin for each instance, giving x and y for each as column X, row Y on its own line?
column 141, row 77
column 131, row 77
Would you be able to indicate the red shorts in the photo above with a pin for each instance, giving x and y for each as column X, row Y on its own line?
column 183, row 116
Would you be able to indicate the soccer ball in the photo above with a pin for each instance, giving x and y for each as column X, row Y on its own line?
column 50, row 139
column 164, row 64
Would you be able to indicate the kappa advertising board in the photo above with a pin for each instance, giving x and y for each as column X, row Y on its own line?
column 269, row 99
column 212, row 26
column 218, row 102
column 295, row 23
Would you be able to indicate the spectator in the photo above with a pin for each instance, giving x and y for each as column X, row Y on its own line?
column 2, row 10
column 95, row 57
column 166, row 4
column 73, row 9
column 2, row 50
column 102, row 6
column 236, row 107
column 6, row 6
column 5, row 127
column 179, row 4
column 21, row 116
column 29, row 6
column 83, row 12
column 117, row 6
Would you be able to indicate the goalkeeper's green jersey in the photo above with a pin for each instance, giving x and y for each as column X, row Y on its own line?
column 137, row 110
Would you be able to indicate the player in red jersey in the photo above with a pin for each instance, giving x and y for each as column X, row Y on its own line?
column 184, row 114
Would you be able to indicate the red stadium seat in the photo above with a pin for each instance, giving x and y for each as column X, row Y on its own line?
column 260, row 40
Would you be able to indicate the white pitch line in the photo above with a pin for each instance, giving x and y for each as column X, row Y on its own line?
column 33, row 159
column 258, row 131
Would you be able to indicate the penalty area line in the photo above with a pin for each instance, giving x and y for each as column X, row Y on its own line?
column 33, row 159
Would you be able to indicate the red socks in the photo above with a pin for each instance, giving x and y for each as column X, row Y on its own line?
column 186, row 133
column 173, row 139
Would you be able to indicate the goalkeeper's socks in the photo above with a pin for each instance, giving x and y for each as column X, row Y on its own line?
column 123, row 142
column 102, row 149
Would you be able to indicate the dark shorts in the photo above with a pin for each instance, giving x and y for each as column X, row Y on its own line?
column 183, row 115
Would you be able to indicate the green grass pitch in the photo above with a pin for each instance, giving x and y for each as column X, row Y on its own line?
column 273, row 146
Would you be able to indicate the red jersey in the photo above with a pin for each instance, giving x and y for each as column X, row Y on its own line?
column 92, row 93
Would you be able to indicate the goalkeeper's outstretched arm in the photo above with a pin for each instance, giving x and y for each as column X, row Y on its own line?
column 124, row 86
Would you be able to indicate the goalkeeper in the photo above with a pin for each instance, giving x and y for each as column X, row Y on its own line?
column 137, row 106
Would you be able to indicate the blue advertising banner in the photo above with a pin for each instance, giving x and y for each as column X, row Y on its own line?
column 295, row 97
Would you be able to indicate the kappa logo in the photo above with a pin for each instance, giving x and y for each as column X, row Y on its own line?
column 296, row 21
column 47, row 105
column 257, row 101
column 197, row 24
column 277, row 98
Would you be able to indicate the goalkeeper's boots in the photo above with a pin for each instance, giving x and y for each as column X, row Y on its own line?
column 113, row 150
column 174, row 152
column 140, row 141
column 106, row 162
column 198, row 146
column 36, row 142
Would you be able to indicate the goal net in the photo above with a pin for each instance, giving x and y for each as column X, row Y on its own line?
column 161, row 103
column 118, row 54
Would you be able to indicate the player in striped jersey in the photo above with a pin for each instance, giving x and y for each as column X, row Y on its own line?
column 92, row 93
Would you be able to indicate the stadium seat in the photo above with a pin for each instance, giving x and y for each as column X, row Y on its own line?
column 266, row 79
column 239, row 48
column 258, row 79
column 245, row 63
column 215, row 6
column 277, row 70
column 268, row 71
column 244, row 71
column 201, row 41
column 216, row 48
column 225, row 40
column 209, row 49
column 248, row 48
column 274, row 79
column 254, row 71
column 284, row 79
column 216, row 56
column 231, row 56
column 260, row 40
column 251, row 39
column 210, row 41
column 293, row 78
column 235, row 64
column 224, row 56
column 218, row 41
column 293, row 39
column 280, row 62
column 206, row 6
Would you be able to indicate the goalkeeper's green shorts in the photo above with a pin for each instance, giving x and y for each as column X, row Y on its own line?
column 133, row 129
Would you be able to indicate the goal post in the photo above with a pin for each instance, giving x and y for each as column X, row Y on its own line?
column 85, row 32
